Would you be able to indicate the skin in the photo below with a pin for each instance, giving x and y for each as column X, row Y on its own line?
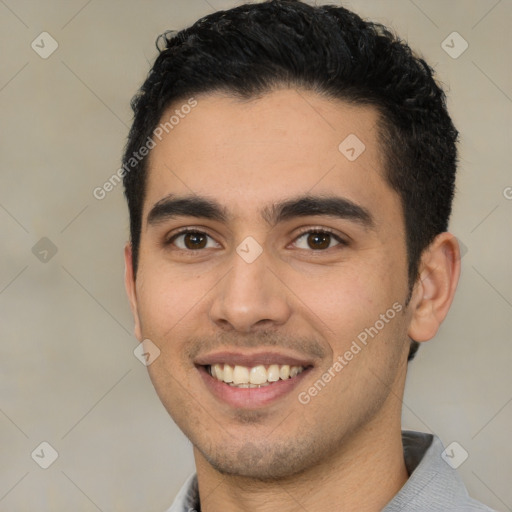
column 342, row 450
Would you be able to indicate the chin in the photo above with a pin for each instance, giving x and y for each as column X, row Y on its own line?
column 264, row 463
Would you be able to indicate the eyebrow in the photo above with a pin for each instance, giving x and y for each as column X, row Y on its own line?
column 173, row 206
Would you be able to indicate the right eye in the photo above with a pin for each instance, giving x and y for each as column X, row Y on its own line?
column 191, row 240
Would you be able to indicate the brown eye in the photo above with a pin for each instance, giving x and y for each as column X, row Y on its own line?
column 192, row 240
column 318, row 240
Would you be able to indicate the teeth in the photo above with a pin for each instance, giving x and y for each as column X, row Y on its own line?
column 273, row 373
column 255, row 377
column 241, row 375
column 218, row 371
column 249, row 385
column 228, row 373
column 258, row 375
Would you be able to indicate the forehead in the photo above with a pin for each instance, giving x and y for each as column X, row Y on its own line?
column 287, row 143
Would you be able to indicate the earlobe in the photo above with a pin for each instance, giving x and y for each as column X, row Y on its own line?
column 129, row 282
column 434, row 291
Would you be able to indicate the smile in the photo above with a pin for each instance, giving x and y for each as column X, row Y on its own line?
column 252, row 377
column 252, row 387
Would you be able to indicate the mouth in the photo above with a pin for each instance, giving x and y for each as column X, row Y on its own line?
column 251, row 382
column 256, row 377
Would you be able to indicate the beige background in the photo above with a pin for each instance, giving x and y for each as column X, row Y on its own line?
column 69, row 375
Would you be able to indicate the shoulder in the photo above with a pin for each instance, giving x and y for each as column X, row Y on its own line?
column 434, row 484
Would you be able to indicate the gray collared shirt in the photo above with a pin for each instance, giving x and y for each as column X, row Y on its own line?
column 433, row 485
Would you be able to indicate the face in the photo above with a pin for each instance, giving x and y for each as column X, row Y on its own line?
column 293, row 260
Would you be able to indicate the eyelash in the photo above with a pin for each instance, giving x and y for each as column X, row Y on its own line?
column 341, row 241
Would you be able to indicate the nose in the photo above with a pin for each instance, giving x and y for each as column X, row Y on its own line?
column 250, row 297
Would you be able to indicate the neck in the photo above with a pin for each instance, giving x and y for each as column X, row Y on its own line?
column 362, row 476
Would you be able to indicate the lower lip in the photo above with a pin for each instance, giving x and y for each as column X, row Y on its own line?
column 250, row 398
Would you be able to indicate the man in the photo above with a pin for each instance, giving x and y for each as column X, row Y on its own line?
column 289, row 175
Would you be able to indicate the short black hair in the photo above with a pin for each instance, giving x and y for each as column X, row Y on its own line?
column 254, row 49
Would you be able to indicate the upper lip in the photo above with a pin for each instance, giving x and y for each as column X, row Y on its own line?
column 250, row 359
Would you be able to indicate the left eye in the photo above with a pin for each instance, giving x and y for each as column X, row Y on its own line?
column 318, row 240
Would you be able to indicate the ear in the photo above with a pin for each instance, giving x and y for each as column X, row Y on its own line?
column 129, row 282
column 434, row 291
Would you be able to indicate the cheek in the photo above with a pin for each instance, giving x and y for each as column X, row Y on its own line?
column 166, row 298
column 343, row 301
column 347, row 302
